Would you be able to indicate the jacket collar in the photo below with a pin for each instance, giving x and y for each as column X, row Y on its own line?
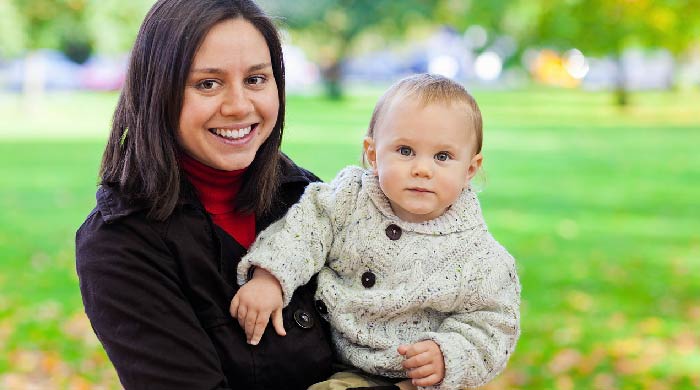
column 113, row 205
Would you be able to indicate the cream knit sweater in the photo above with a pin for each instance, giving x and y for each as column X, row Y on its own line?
column 445, row 280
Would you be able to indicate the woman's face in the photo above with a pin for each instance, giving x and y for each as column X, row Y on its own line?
column 230, row 102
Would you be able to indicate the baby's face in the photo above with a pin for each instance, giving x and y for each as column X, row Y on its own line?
column 424, row 157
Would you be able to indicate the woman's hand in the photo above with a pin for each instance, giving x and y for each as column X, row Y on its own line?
column 424, row 362
column 257, row 301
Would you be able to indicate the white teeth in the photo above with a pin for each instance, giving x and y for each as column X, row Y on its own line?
column 233, row 134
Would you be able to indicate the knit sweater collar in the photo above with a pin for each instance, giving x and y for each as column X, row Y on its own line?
column 464, row 214
column 217, row 189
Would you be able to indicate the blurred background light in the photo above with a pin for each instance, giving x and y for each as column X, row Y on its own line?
column 444, row 65
column 488, row 66
column 476, row 37
column 576, row 64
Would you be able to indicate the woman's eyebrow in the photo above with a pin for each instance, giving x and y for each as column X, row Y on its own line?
column 257, row 67
column 253, row 68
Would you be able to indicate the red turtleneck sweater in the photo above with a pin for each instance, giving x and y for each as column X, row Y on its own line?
column 217, row 191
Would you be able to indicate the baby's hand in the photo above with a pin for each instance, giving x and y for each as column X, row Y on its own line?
column 424, row 362
column 255, row 302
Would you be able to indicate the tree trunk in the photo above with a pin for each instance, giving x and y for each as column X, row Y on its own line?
column 33, row 83
column 621, row 91
column 332, row 80
column 332, row 71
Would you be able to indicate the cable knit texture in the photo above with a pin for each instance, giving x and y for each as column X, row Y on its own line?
column 446, row 280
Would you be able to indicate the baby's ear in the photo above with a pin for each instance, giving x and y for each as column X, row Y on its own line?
column 370, row 153
column 474, row 166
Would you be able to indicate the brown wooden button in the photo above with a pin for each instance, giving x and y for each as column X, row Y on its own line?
column 393, row 232
column 368, row 279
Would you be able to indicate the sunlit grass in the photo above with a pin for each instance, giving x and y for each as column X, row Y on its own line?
column 597, row 204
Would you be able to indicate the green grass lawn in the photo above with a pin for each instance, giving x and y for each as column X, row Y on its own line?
column 598, row 205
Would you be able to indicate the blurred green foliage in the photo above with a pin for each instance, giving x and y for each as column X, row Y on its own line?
column 12, row 37
column 331, row 30
column 76, row 27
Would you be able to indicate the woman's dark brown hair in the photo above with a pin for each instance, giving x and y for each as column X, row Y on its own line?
column 141, row 154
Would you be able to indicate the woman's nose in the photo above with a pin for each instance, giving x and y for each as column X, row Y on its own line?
column 236, row 102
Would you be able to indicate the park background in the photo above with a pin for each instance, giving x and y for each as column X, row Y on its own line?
column 591, row 179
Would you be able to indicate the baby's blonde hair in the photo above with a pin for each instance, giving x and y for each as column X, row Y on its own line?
column 429, row 89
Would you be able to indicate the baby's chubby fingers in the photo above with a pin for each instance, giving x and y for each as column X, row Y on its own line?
column 410, row 350
column 253, row 304
column 251, row 321
column 278, row 323
column 258, row 329
column 241, row 315
column 424, row 362
column 431, row 380
column 233, row 308
column 417, row 361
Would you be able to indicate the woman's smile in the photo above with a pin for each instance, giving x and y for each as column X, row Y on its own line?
column 235, row 135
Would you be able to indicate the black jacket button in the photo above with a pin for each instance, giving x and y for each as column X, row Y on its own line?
column 321, row 307
column 303, row 319
column 368, row 279
column 393, row 232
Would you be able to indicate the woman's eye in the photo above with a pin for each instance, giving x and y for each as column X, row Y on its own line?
column 405, row 151
column 207, row 85
column 256, row 80
column 442, row 156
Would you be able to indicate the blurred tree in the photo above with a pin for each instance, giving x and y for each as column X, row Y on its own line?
column 113, row 24
column 596, row 27
column 608, row 27
column 58, row 24
column 330, row 29
column 12, row 33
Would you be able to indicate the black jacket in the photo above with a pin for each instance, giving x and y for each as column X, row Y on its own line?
column 157, row 295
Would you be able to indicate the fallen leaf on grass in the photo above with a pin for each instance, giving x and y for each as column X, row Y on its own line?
column 78, row 328
column 564, row 383
column 604, row 381
column 651, row 326
column 579, row 300
column 564, row 360
column 592, row 360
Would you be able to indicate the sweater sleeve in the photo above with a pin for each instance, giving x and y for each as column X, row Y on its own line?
column 478, row 338
column 294, row 248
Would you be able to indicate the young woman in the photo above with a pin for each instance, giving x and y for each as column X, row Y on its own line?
column 191, row 173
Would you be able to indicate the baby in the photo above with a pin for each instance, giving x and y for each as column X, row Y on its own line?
column 412, row 283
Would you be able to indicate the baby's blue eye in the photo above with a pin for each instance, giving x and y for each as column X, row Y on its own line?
column 442, row 156
column 405, row 151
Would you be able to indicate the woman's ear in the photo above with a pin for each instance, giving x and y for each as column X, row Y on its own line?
column 474, row 166
column 370, row 152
